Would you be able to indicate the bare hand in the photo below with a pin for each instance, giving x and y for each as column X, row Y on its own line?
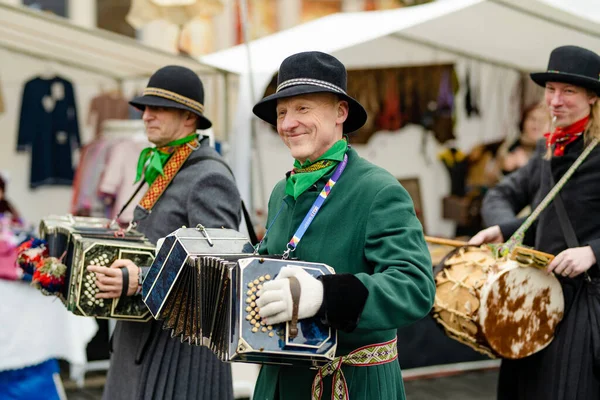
column 572, row 262
column 488, row 235
column 110, row 279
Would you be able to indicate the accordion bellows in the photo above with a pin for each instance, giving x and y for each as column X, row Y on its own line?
column 203, row 285
column 83, row 241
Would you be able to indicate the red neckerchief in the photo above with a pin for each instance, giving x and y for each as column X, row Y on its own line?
column 561, row 137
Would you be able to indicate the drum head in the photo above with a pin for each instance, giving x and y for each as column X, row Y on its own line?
column 520, row 308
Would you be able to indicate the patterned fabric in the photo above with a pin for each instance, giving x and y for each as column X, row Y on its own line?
column 561, row 137
column 313, row 167
column 376, row 354
column 167, row 94
column 152, row 159
column 306, row 174
column 170, row 170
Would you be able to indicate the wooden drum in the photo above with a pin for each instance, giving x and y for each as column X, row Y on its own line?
column 506, row 308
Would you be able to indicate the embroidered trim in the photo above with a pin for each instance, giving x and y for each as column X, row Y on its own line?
column 308, row 81
column 161, row 182
column 375, row 354
column 167, row 94
column 313, row 167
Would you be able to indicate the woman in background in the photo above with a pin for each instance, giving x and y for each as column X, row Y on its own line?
column 514, row 154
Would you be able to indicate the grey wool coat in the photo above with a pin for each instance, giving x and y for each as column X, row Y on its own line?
column 146, row 363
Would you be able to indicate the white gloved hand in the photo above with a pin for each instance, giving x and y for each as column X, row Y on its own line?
column 275, row 298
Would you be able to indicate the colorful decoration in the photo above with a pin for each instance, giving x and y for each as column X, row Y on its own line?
column 49, row 276
column 29, row 253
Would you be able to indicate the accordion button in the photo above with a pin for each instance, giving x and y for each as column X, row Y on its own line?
column 248, row 317
column 251, row 284
column 248, row 309
column 269, row 327
column 253, row 297
column 262, row 279
column 257, row 325
column 259, row 287
column 89, row 303
column 271, row 334
column 254, row 330
column 262, row 323
column 256, row 282
column 256, row 309
column 249, row 292
column 264, row 329
column 253, row 304
column 253, row 313
column 248, row 300
column 267, row 277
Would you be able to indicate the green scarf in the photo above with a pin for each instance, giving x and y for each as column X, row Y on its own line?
column 156, row 158
column 307, row 174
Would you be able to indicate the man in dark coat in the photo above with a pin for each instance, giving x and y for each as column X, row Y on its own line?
column 185, row 190
column 568, row 368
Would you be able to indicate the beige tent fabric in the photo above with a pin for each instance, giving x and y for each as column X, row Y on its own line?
column 142, row 12
column 1, row 102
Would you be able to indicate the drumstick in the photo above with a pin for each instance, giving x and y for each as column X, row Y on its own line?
column 458, row 243
column 446, row 242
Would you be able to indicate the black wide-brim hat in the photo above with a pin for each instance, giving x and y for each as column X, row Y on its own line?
column 178, row 87
column 574, row 65
column 311, row 72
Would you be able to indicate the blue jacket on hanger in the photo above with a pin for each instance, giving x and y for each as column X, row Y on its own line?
column 48, row 125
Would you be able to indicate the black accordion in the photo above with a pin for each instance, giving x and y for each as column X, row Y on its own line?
column 203, row 286
column 83, row 241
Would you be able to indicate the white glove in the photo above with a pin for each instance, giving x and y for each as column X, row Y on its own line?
column 275, row 298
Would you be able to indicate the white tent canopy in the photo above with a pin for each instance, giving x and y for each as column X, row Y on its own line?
column 47, row 37
column 514, row 34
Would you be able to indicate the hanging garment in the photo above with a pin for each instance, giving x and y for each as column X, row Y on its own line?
column 48, row 125
column 118, row 178
column 471, row 97
column 85, row 201
column 107, row 106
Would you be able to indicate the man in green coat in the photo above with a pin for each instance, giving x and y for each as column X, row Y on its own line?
column 364, row 227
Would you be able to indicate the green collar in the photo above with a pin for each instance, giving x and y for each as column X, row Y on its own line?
column 306, row 174
column 157, row 157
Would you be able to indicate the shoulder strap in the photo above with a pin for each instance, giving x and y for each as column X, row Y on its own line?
column 563, row 219
column 249, row 226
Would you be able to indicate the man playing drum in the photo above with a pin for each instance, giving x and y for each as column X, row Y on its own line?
column 568, row 369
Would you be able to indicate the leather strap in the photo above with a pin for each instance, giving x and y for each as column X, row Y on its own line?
column 125, row 272
column 296, row 290
column 563, row 219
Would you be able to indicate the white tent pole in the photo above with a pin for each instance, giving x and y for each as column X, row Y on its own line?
column 255, row 148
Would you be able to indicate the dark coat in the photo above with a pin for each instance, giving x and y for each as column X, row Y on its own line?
column 146, row 362
column 564, row 370
column 48, row 125
column 367, row 227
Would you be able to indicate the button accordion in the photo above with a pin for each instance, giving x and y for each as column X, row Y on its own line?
column 83, row 241
column 203, row 286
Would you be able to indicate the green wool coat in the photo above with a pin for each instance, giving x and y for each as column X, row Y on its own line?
column 366, row 227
